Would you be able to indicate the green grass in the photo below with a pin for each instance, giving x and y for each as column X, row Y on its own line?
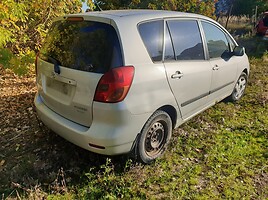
column 220, row 154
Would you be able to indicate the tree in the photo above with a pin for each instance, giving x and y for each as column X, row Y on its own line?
column 205, row 7
column 25, row 23
column 223, row 7
column 246, row 7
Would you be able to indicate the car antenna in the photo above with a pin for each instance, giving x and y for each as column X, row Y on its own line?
column 97, row 5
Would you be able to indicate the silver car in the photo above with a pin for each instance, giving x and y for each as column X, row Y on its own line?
column 116, row 82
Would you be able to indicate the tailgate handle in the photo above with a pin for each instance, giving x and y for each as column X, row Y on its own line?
column 177, row 75
column 63, row 79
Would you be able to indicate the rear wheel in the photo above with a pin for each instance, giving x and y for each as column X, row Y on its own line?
column 154, row 137
column 239, row 89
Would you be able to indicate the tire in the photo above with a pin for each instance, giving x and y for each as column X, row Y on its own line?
column 154, row 137
column 239, row 88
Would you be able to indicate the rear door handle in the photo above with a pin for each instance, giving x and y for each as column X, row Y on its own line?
column 216, row 67
column 177, row 75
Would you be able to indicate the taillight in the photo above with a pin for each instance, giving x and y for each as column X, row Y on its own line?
column 75, row 19
column 114, row 85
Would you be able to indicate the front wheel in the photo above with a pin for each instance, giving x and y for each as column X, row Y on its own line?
column 154, row 137
column 239, row 89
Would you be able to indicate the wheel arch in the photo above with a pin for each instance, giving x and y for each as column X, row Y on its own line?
column 171, row 111
column 246, row 71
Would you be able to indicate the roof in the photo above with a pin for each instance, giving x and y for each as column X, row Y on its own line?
column 139, row 15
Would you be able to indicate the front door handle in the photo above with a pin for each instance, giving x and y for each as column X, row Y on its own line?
column 177, row 75
column 216, row 67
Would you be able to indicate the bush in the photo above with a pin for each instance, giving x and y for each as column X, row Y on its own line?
column 24, row 24
column 20, row 64
column 5, row 56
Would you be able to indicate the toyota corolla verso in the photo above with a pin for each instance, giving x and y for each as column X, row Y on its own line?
column 116, row 82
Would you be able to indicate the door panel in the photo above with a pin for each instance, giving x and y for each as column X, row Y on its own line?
column 192, row 88
column 223, row 64
column 188, row 73
column 223, row 78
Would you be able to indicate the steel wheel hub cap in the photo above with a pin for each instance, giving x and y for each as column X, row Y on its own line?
column 240, row 87
column 155, row 138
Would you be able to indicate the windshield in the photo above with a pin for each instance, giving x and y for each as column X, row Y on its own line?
column 84, row 45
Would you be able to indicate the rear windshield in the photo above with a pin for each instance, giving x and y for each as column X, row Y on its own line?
column 84, row 45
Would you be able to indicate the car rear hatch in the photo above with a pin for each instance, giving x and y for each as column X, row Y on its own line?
column 73, row 58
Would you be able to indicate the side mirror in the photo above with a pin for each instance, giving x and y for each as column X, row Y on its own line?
column 239, row 51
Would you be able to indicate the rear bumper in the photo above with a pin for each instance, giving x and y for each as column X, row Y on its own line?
column 113, row 129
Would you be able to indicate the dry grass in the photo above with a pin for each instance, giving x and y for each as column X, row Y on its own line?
column 239, row 26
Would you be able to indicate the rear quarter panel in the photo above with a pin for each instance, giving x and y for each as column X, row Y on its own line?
column 150, row 89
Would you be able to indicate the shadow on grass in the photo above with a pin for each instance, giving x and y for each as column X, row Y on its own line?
column 33, row 156
column 255, row 46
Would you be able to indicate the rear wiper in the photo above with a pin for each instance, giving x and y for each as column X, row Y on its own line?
column 55, row 62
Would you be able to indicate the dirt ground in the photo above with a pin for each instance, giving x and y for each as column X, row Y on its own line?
column 30, row 154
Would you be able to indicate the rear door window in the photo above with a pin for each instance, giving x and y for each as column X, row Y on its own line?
column 82, row 45
column 152, row 36
column 186, row 40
